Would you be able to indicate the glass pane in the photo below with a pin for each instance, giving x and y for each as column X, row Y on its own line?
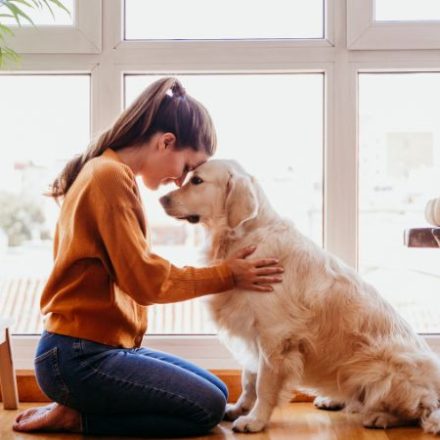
column 225, row 19
column 399, row 171
column 44, row 123
column 43, row 16
column 407, row 10
column 285, row 154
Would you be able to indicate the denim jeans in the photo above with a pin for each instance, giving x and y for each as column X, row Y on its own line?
column 129, row 392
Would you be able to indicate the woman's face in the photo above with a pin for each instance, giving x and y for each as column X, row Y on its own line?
column 166, row 164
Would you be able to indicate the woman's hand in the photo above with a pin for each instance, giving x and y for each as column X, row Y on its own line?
column 257, row 274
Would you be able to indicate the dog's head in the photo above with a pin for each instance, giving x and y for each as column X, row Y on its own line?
column 219, row 192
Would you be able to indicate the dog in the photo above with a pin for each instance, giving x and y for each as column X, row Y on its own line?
column 323, row 329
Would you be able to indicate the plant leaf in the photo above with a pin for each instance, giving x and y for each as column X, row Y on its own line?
column 23, row 2
column 6, row 3
column 48, row 7
column 37, row 3
column 5, row 30
column 57, row 3
column 17, row 12
column 7, row 54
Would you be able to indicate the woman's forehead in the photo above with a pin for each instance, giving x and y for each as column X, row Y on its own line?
column 196, row 158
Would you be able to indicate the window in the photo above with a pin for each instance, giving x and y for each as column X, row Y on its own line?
column 45, row 121
column 393, row 24
column 225, row 19
column 398, row 172
column 407, row 10
column 287, row 158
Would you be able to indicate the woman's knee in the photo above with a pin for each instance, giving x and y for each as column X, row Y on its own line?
column 222, row 387
column 212, row 409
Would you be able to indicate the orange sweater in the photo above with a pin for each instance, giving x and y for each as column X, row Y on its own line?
column 104, row 274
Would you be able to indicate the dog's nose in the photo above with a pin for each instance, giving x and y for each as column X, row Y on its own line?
column 165, row 201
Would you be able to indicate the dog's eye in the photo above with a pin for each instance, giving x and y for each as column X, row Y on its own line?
column 196, row 180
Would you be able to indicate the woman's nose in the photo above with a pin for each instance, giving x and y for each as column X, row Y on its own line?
column 180, row 180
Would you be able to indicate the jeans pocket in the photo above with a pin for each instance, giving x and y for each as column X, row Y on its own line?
column 49, row 377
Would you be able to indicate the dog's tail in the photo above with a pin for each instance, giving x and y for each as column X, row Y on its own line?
column 430, row 417
column 404, row 381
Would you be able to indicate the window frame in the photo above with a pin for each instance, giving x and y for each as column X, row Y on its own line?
column 331, row 56
column 327, row 39
column 365, row 33
column 83, row 37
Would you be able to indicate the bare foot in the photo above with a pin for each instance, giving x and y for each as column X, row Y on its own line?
column 53, row 417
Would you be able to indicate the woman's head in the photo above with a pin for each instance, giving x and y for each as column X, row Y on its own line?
column 159, row 161
column 163, row 107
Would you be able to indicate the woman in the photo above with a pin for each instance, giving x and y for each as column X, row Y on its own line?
column 89, row 360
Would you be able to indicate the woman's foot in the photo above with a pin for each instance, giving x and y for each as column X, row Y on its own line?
column 53, row 417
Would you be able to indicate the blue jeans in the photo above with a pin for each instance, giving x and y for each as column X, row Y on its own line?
column 129, row 392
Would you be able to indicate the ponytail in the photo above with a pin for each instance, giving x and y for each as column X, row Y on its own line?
column 163, row 106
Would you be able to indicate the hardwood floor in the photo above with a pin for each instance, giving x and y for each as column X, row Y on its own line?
column 297, row 421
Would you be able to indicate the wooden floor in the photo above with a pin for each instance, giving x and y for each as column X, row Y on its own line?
column 298, row 421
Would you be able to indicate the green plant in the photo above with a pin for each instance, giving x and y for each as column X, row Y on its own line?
column 16, row 9
column 19, row 217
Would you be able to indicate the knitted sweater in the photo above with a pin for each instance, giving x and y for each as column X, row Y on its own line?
column 104, row 275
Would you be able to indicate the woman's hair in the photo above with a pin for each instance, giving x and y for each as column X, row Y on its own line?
column 164, row 107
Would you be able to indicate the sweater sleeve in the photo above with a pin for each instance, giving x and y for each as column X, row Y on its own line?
column 146, row 277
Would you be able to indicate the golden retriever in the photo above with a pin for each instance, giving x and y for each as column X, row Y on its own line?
column 323, row 328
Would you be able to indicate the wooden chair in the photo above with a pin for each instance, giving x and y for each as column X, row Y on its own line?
column 7, row 373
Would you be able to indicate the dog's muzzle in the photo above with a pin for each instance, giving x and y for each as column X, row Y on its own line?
column 165, row 201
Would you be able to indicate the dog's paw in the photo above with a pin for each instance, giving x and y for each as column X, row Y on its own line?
column 380, row 420
column 431, row 423
column 234, row 411
column 327, row 404
column 248, row 424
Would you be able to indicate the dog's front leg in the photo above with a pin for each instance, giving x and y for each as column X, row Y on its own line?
column 269, row 382
column 247, row 398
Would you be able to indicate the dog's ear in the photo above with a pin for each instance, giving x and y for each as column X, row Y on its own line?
column 241, row 201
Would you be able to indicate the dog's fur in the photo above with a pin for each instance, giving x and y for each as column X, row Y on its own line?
column 323, row 328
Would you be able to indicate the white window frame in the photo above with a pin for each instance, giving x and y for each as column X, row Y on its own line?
column 330, row 56
column 84, row 36
column 365, row 33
